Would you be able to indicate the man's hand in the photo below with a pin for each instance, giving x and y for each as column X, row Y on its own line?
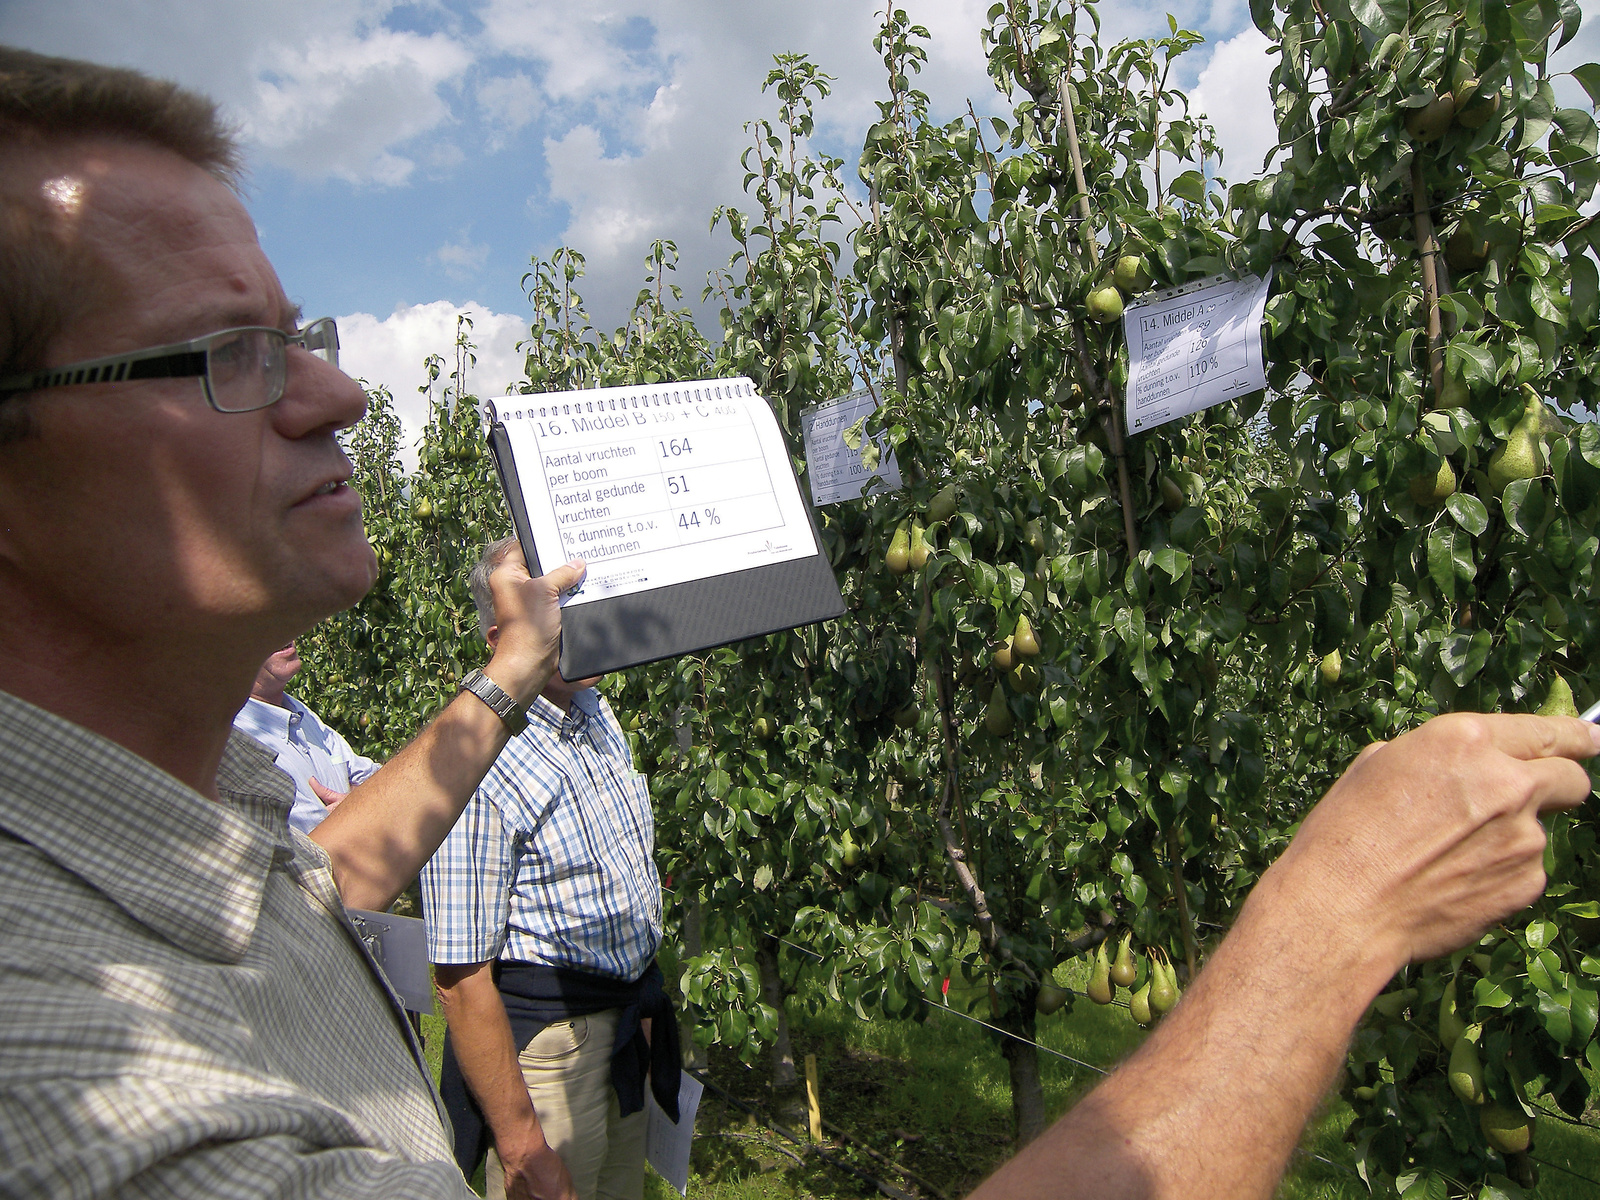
column 528, row 615
column 536, row 1173
column 327, row 795
column 1428, row 840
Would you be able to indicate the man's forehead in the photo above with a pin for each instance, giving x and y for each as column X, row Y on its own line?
column 172, row 247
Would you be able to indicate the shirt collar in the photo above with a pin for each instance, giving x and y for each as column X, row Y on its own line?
column 191, row 870
column 571, row 724
column 267, row 722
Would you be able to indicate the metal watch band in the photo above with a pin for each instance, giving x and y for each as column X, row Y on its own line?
column 500, row 703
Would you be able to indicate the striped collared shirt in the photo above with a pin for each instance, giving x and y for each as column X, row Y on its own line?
column 552, row 860
column 184, row 1008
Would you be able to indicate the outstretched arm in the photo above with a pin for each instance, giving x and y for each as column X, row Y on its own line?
column 1420, row 846
column 383, row 832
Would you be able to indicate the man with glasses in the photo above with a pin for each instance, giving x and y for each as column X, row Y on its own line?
column 187, row 1010
column 184, row 1008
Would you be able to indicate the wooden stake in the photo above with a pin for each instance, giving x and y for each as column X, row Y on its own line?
column 1427, row 250
column 813, row 1104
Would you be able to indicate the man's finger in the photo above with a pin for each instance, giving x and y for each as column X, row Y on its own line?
column 1525, row 736
column 565, row 578
column 1558, row 783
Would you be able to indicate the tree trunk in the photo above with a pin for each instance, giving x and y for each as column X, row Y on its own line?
column 1027, row 1094
column 784, row 1077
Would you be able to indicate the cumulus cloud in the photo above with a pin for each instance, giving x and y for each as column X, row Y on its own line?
column 390, row 353
column 1232, row 93
column 510, row 103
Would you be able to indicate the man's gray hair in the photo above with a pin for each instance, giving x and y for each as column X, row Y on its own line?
column 478, row 581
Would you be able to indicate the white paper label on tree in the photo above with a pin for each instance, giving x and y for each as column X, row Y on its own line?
column 1192, row 347
column 656, row 485
column 840, row 460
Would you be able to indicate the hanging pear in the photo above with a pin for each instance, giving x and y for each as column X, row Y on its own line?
column 1004, row 658
column 1559, row 703
column 1508, row 1130
column 1130, row 275
column 1522, row 457
column 1332, row 667
column 1105, row 303
column 1164, row 989
column 1433, row 488
column 1050, row 998
column 1100, row 989
column 1139, row 1005
column 898, row 557
column 1024, row 641
column 1124, row 971
column 1172, row 495
column 1451, row 1026
column 1466, row 1071
column 943, row 505
column 997, row 717
column 919, row 546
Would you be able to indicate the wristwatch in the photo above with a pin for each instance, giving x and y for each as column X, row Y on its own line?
column 502, row 705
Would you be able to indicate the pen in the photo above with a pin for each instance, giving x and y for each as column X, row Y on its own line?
column 1592, row 713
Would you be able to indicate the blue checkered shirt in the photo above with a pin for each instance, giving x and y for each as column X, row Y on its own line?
column 551, row 862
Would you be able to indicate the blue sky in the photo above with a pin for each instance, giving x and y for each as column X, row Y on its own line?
column 409, row 159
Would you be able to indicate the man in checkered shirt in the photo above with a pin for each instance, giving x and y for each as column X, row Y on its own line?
column 544, row 916
column 185, row 1009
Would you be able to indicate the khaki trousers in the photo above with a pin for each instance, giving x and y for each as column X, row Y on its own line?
column 567, row 1068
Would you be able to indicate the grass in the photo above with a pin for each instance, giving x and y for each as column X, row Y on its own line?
column 933, row 1096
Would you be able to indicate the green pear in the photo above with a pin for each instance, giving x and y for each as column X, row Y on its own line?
column 1366, row 1093
column 850, row 853
column 1466, row 1072
column 1130, row 275
column 943, row 505
column 898, row 556
column 1124, row 971
column 1139, row 1005
column 1429, row 123
column 1004, row 656
column 1456, row 394
column 1392, row 1004
column 763, row 728
column 1164, row 989
column 1050, row 998
column 1172, row 496
column 1508, row 1130
column 1465, row 253
column 1100, row 989
column 1105, row 303
column 1475, row 113
column 997, row 718
column 1023, row 641
column 1451, row 1026
column 1522, row 456
column 1433, row 488
column 919, row 546
column 1332, row 667
column 1559, row 703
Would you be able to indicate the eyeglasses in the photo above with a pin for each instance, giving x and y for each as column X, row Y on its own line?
column 240, row 369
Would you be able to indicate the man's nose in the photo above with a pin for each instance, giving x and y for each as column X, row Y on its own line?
column 316, row 395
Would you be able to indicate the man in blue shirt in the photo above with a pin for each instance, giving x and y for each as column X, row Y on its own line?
column 314, row 755
column 544, row 917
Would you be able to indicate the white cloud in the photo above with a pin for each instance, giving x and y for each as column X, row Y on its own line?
column 391, row 352
column 510, row 102
column 1232, row 93
column 463, row 257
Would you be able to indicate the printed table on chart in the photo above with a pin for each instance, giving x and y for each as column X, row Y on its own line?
column 1183, row 362
column 691, row 476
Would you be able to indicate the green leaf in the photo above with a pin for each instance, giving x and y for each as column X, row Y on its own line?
column 1463, row 654
column 1381, row 16
column 1588, row 76
column 1469, row 513
column 1190, row 186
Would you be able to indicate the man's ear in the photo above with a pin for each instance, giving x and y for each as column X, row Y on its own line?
column 492, row 635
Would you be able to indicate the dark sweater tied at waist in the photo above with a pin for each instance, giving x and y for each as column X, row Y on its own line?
column 537, row 996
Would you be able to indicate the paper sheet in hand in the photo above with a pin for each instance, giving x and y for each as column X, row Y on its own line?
column 667, row 1145
column 835, row 469
column 400, row 946
column 682, row 500
column 1192, row 347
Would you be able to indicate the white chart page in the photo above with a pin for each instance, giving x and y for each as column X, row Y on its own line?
column 656, row 485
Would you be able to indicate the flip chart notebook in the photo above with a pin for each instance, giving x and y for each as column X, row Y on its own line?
column 682, row 500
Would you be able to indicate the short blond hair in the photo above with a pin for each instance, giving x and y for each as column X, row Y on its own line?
column 49, row 101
